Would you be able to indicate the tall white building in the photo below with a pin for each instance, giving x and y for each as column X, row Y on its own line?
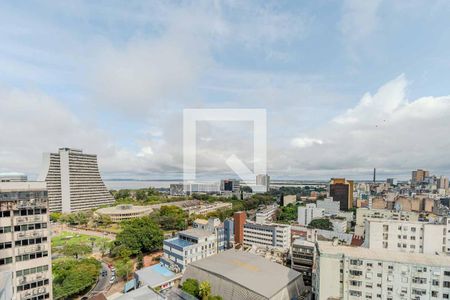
column 263, row 180
column 73, row 181
column 25, row 258
column 308, row 213
column 350, row 273
column 418, row 237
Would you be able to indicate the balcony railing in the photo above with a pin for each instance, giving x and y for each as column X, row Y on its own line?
column 31, row 249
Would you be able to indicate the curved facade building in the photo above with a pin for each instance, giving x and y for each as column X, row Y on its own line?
column 125, row 212
column 73, row 181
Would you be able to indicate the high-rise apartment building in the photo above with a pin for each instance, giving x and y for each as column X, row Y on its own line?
column 342, row 191
column 240, row 218
column 347, row 273
column 73, row 181
column 419, row 175
column 408, row 236
column 25, row 259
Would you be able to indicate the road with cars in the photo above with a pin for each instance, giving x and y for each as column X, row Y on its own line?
column 105, row 279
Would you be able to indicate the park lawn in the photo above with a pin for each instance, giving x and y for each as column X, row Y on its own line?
column 75, row 238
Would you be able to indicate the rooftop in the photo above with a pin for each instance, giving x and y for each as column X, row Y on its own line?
column 120, row 209
column 195, row 232
column 201, row 221
column 156, row 275
column 142, row 293
column 384, row 255
column 23, row 186
column 179, row 242
column 248, row 270
column 300, row 242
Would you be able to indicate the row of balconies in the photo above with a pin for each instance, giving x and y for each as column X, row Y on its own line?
column 31, row 278
column 28, row 219
column 31, row 249
column 31, row 234
column 33, row 293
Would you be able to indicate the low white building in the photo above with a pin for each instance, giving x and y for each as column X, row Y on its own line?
column 339, row 224
column 123, row 212
column 267, row 214
column 363, row 214
column 273, row 235
column 308, row 213
column 192, row 245
column 351, row 273
column 418, row 237
column 329, row 206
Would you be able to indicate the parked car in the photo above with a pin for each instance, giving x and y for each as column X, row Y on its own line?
column 111, row 281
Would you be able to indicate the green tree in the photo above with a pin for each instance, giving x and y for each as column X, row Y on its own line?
column 191, row 286
column 288, row 213
column 141, row 195
column 102, row 220
column 71, row 276
column 55, row 216
column 204, row 290
column 172, row 217
column 121, row 251
column 124, row 268
column 323, row 223
column 104, row 246
column 140, row 235
column 76, row 250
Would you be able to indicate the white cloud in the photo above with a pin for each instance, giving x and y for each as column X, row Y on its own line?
column 305, row 142
column 383, row 130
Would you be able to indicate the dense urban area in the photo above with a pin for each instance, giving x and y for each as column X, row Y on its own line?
column 65, row 236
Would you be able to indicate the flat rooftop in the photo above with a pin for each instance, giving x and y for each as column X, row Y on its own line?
column 251, row 271
column 156, row 275
column 23, row 186
column 123, row 209
column 384, row 255
column 179, row 242
column 195, row 232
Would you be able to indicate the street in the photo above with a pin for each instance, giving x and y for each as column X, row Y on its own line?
column 102, row 283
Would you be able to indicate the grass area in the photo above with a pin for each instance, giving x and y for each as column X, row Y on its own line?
column 75, row 238
column 112, row 228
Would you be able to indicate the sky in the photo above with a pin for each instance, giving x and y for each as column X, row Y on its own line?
column 348, row 86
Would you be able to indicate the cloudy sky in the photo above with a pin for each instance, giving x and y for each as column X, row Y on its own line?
column 347, row 85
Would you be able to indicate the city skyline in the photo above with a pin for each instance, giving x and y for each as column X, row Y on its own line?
column 336, row 79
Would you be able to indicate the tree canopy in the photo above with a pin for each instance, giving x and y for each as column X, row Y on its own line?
column 322, row 223
column 140, row 235
column 71, row 276
column 191, row 287
column 288, row 213
column 171, row 217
